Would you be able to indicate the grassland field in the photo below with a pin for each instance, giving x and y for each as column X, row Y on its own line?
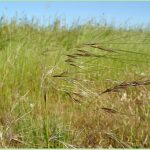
column 80, row 87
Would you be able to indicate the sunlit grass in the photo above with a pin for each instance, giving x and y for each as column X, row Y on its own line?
column 52, row 80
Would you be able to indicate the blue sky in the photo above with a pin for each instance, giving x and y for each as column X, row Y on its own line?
column 117, row 13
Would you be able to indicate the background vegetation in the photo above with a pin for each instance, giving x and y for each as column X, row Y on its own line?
column 79, row 87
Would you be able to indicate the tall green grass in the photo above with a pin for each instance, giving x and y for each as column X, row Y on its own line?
column 51, row 80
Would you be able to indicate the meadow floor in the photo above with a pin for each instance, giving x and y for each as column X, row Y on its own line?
column 83, row 87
